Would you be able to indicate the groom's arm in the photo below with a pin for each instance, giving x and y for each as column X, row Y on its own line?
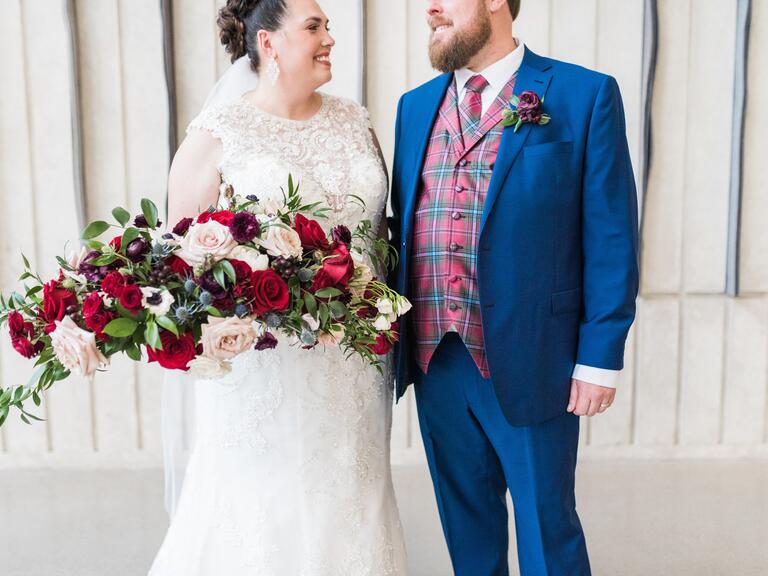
column 395, row 221
column 610, row 242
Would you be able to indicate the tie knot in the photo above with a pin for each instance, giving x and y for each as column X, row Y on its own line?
column 476, row 83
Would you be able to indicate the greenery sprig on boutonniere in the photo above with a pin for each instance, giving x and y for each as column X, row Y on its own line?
column 525, row 109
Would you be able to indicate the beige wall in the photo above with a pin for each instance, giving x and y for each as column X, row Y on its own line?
column 696, row 372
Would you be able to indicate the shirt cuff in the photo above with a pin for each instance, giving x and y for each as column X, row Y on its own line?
column 598, row 376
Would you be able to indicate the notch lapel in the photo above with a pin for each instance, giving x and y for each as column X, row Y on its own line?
column 534, row 75
column 430, row 102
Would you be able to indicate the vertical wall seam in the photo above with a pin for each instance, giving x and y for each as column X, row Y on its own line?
column 169, row 62
column 649, row 65
column 724, row 374
column 76, row 107
column 743, row 21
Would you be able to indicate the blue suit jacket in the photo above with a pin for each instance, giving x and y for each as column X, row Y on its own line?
column 557, row 252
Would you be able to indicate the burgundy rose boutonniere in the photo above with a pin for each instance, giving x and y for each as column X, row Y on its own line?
column 525, row 109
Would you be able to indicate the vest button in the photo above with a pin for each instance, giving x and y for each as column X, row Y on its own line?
column 455, row 278
column 453, row 306
column 456, row 215
column 459, row 188
column 454, row 247
column 463, row 162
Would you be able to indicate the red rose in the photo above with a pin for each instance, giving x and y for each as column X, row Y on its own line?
column 25, row 347
column 222, row 217
column 270, row 292
column 113, row 284
column 337, row 270
column 96, row 317
column 56, row 300
column 115, row 243
column 176, row 354
column 178, row 266
column 383, row 343
column 311, row 233
column 242, row 270
column 15, row 324
column 130, row 297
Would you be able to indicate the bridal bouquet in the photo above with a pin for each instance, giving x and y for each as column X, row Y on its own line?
column 193, row 298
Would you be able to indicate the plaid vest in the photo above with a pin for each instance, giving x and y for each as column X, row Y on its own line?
column 455, row 179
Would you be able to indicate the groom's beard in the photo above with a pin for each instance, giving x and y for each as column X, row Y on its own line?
column 453, row 53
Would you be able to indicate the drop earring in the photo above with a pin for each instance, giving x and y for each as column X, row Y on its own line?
column 273, row 69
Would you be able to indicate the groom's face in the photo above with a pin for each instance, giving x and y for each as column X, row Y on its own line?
column 459, row 30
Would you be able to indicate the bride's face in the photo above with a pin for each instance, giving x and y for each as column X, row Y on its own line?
column 303, row 45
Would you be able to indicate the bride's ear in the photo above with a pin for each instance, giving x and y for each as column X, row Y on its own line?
column 264, row 41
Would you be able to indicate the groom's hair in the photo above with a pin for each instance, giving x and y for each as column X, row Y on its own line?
column 514, row 7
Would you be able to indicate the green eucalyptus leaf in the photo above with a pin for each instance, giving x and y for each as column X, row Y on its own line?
column 95, row 229
column 121, row 327
column 121, row 215
column 150, row 212
column 168, row 324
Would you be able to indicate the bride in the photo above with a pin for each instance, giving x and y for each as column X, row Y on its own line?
column 289, row 474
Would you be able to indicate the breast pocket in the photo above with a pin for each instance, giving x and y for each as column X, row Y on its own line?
column 548, row 149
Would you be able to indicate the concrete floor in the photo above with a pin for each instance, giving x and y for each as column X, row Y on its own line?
column 641, row 518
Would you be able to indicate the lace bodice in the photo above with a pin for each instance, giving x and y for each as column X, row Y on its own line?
column 331, row 156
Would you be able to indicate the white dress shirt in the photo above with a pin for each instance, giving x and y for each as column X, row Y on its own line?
column 497, row 75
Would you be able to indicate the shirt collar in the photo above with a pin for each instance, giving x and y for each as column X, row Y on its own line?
column 498, row 73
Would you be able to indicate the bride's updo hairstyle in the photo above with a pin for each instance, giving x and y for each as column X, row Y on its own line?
column 240, row 20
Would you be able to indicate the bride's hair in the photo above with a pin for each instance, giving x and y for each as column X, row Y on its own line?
column 240, row 20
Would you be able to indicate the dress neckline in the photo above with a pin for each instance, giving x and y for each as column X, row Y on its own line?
column 289, row 121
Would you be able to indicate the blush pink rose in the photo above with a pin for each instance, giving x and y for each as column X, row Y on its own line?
column 76, row 348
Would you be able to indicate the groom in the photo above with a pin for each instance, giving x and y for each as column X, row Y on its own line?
column 518, row 242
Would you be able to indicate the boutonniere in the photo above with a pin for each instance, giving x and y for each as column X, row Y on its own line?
column 525, row 109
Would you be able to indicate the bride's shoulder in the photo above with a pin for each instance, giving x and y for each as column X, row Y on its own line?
column 222, row 117
column 347, row 107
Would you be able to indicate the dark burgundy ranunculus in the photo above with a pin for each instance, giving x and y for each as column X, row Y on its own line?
column 141, row 222
column 208, row 283
column 136, row 249
column 176, row 354
column 266, row 342
column 182, row 226
column 270, row 292
column 342, row 235
column 529, row 107
column 312, row 235
column 244, row 227
column 131, row 297
column 92, row 273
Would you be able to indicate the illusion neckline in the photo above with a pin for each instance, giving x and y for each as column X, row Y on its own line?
column 282, row 119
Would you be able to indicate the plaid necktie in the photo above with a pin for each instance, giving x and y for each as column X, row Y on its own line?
column 471, row 107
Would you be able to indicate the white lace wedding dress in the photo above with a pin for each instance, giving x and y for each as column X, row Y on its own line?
column 290, row 473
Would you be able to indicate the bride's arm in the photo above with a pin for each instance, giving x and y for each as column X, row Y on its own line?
column 193, row 182
column 383, row 229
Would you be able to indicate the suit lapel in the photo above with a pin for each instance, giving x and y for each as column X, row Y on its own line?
column 534, row 75
column 489, row 120
column 450, row 116
column 421, row 130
